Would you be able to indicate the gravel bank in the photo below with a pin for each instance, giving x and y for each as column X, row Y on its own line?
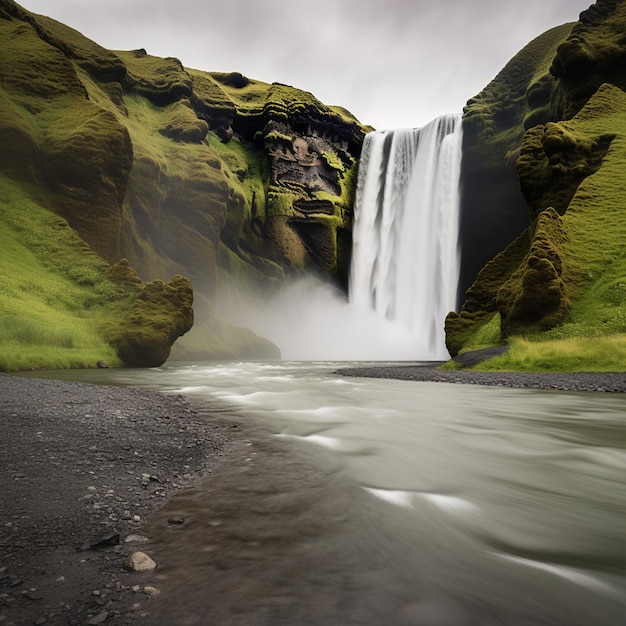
column 78, row 464
column 584, row 381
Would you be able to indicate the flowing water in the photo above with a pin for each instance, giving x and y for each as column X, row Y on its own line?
column 405, row 260
column 354, row 501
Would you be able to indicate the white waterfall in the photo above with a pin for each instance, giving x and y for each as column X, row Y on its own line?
column 405, row 259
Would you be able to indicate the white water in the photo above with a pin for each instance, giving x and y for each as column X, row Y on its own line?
column 404, row 268
column 405, row 262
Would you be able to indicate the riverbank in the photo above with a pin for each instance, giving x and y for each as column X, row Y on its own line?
column 82, row 467
column 579, row 381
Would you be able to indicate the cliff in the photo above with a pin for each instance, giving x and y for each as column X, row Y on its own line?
column 230, row 182
column 543, row 186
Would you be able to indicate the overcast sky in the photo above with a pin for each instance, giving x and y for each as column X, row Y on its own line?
column 392, row 63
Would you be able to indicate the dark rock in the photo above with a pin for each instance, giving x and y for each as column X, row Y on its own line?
column 233, row 79
column 176, row 520
column 106, row 541
column 100, row 618
column 474, row 357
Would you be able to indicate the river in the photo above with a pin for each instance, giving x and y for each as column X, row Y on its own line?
column 364, row 501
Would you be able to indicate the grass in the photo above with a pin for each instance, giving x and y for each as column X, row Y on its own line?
column 574, row 354
column 56, row 298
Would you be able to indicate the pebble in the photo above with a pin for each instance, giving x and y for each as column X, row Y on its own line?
column 136, row 539
column 138, row 562
column 120, row 455
column 574, row 381
column 100, row 618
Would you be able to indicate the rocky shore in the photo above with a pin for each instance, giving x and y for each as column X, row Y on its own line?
column 81, row 468
column 580, row 381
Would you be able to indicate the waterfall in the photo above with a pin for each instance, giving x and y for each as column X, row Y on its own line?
column 405, row 259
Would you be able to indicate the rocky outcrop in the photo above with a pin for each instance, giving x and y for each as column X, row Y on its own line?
column 535, row 296
column 159, row 315
column 554, row 161
column 493, row 209
column 229, row 181
column 562, row 129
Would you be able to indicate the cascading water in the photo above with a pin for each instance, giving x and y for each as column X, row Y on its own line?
column 405, row 262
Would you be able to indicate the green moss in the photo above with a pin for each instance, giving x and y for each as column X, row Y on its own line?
column 554, row 159
column 487, row 335
column 480, row 304
column 32, row 71
column 585, row 255
column 131, row 149
column 162, row 81
column 497, row 113
column 569, row 283
column 160, row 314
column 275, row 135
column 592, row 55
column 182, row 124
column 174, row 187
column 536, row 296
column 98, row 62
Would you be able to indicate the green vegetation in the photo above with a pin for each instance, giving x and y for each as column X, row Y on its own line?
column 577, row 354
column 56, row 296
column 178, row 171
column 558, row 293
column 159, row 314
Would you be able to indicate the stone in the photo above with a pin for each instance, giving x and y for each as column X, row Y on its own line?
column 100, row 618
column 176, row 520
column 136, row 539
column 138, row 562
column 106, row 541
column 151, row 591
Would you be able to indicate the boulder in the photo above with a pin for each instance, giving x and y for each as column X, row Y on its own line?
column 159, row 315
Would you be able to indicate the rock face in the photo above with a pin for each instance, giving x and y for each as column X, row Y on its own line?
column 160, row 314
column 231, row 182
column 554, row 120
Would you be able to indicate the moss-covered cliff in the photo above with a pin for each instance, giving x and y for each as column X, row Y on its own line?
column 225, row 180
column 557, row 114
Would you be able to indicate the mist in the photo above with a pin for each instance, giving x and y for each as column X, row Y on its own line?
column 313, row 321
